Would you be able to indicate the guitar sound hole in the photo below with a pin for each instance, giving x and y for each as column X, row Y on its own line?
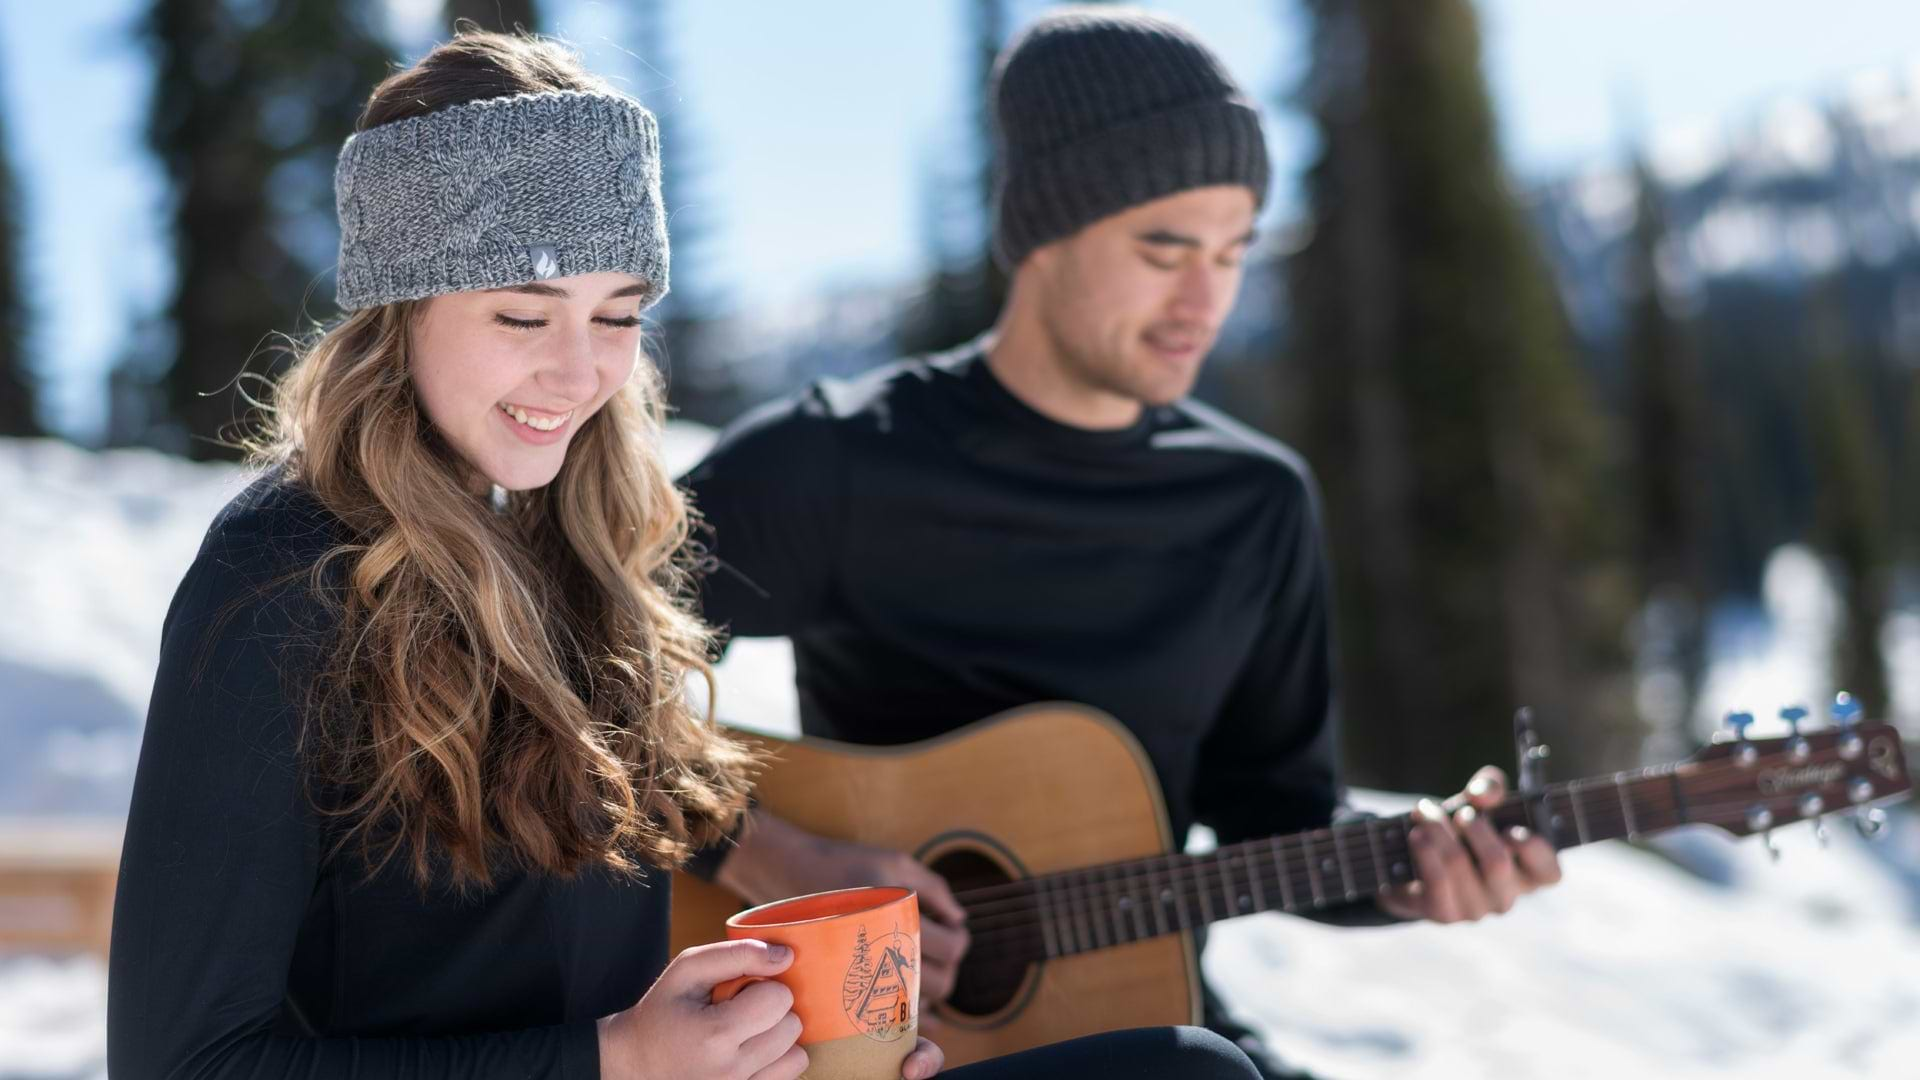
column 989, row 977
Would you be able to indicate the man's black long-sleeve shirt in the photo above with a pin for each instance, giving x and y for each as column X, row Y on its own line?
column 939, row 552
column 239, row 949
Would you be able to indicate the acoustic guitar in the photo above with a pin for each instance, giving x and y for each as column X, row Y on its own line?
column 1049, row 824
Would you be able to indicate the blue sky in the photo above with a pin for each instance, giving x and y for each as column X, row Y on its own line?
column 816, row 125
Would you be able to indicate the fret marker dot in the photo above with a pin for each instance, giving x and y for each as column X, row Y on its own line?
column 1246, row 903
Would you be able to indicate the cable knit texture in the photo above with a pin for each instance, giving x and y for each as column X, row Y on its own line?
column 501, row 192
column 1097, row 110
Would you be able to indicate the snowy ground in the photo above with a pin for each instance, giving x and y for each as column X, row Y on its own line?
column 1631, row 968
column 1699, row 960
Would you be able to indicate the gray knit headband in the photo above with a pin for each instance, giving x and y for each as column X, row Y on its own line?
column 500, row 192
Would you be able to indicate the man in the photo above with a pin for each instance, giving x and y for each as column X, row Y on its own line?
column 1042, row 515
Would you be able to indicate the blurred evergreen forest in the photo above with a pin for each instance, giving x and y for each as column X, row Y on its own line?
column 1553, row 428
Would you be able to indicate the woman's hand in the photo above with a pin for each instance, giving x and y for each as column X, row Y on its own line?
column 925, row 1060
column 677, row 1031
column 776, row 859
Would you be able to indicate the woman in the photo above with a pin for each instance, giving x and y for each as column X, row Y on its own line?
column 420, row 749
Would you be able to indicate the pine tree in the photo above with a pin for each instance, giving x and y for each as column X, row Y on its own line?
column 249, row 107
column 504, row 16
column 1904, row 360
column 1906, row 500
column 17, row 415
column 1852, row 524
column 860, row 972
column 700, row 385
column 965, row 288
column 1451, row 429
column 1667, row 471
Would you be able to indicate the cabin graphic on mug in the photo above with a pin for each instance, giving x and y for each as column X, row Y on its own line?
column 882, row 988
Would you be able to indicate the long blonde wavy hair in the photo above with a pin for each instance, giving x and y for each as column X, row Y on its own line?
column 511, row 682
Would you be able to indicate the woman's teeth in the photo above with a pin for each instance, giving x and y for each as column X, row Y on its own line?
column 537, row 423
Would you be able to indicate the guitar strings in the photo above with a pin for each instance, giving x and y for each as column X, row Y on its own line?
column 1190, row 877
column 999, row 950
column 1321, row 844
column 1324, row 844
column 1658, row 781
column 1081, row 911
column 1090, row 931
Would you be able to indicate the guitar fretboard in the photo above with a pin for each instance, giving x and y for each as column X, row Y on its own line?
column 1098, row 907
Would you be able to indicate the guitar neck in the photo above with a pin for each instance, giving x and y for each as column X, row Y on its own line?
column 1113, row 904
column 1740, row 786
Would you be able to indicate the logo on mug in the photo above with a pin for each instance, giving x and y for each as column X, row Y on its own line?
column 882, row 989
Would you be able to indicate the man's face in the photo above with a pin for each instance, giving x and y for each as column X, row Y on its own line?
column 1134, row 301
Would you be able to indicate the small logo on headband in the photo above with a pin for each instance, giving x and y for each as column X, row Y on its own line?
column 546, row 263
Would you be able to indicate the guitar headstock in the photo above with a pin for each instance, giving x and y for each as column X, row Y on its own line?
column 1748, row 786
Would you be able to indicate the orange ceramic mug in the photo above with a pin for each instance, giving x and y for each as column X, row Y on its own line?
column 855, row 976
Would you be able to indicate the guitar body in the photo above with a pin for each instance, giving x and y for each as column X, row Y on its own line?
column 1041, row 789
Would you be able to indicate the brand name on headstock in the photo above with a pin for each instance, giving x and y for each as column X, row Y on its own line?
column 1781, row 781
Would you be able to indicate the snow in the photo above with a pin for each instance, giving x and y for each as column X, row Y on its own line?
column 1789, row 189
column 1685, row 153
column 1694, row 958
column 1631, row 966
column 1793, row 138
column 96, row 543
column 1882, row 101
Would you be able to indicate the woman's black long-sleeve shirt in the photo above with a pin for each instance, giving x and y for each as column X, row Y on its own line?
column 240, row 949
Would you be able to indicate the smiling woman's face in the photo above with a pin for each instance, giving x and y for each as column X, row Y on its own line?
column 508, row 375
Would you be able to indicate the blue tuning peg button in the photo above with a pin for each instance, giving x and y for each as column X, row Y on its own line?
column 1744, row 754
column 1798, row 749
column 1846, row 714
column 1846, row 711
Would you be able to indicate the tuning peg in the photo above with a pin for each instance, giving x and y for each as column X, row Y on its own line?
column 1739, row 722
column 1846, row 714
column 1797, row 748
column 1811, row 805
column 1870, row 822
column 1760, row 820
column 1846, row 711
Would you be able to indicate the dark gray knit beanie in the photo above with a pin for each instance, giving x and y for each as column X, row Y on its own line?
column 1099, row 109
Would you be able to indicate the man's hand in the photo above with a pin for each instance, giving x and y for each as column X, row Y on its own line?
column 776, row 859
column 1466, row 869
